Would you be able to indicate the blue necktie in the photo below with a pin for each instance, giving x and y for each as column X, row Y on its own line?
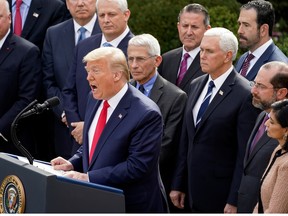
column 205, row 102
column 82, row 34
column 106, row 44
column 142, row 89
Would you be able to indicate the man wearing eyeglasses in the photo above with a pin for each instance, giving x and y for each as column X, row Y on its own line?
column 270, row 85
column 143, row 59
column 113, row 19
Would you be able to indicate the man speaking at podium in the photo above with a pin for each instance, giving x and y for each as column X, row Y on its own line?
column 122, row 135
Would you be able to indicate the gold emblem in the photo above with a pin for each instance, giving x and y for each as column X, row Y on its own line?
column 12, row 195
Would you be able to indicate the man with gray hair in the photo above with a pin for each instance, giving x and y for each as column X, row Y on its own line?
column 143, row 59
column 218, row 120
column 269, row 86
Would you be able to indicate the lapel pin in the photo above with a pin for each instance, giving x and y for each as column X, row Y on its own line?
column 120, row 116
column 35, row 15
column 221, row 92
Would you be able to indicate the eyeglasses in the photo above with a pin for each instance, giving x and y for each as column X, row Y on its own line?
column 139, row 59
column 260, row 86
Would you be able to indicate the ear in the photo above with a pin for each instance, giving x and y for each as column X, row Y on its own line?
column 228, row 57
column 282, row 93
column 158, row 61
column 264, row 30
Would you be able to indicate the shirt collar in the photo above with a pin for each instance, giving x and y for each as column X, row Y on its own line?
column 89, row 26
column 117, row 40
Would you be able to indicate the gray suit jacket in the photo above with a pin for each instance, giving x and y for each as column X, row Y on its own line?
column 254, row 167
column 170, row 66
column 171, row 100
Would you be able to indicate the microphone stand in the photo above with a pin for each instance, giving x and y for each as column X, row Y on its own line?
column 14, row 138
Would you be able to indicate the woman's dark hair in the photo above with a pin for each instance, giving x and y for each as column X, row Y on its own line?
column 280, row 109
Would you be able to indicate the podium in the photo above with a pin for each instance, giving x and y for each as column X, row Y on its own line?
column 42, row 192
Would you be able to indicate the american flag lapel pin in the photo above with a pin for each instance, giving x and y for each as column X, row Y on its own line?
column 221, row 92
column 35, row 14
column 120, row 116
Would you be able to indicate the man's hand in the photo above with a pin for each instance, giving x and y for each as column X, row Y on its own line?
column 177, row 198
column 60, row 163
column 77, row 132
column 230, row 209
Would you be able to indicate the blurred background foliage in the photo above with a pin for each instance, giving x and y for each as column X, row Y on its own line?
column 159, row 18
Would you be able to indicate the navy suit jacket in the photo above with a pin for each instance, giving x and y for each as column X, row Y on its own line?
column 41, row 15
column 57, row 57
column 127, row 152
column 20, row 71
column 272, row 53
column 210, row 160
column 170, row 65
column 77, row 88
column 254, row 167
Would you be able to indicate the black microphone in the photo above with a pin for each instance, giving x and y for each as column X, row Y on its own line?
column 39, row 108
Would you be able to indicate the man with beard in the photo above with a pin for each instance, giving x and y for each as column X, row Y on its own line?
column 256, row 21
column 270, row 85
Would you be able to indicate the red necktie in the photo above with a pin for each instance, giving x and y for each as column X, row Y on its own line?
column 18, row 19
column 183, row 68
column 99, row 128
column 246, row 64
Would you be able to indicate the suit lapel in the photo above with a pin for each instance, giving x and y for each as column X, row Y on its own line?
column 264, row 58
column 68, row 42
column 7, row 47
column 175, row 66
column 117, row 116
column 224, row 90
column 156, row 90
column 32, row 16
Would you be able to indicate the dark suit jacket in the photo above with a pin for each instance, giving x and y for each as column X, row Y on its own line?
column 272, row 53
column 77, row 88
column 210, row 160
column 41, row 15
column 127, row 152
column 171, row 100
column 254, row 167
column 20, row 71
column 57, row 56
column 170, row 66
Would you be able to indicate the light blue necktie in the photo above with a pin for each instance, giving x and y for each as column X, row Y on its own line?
column 82, row 35
column 205, row 102
column 106, row 44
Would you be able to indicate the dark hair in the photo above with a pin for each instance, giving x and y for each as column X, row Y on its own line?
column 280, row 109
column 265, row 13
column 196, row 8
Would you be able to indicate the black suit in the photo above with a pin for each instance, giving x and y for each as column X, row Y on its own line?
column 41, row 15
column 20, row 72
column 255, row 164
column 210, row 160
column 170, row 66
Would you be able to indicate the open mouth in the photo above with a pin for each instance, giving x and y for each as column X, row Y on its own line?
column 93, row 87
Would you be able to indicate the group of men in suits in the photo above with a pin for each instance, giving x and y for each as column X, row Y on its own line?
column 200, row 164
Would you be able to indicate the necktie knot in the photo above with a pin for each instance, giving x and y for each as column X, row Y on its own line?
column 106, row 105
column 18, row 3
column 249, row 57
column 186, row 56
column 211, row 85
column 82, row 35
column 106, row 44
column 141, row 88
